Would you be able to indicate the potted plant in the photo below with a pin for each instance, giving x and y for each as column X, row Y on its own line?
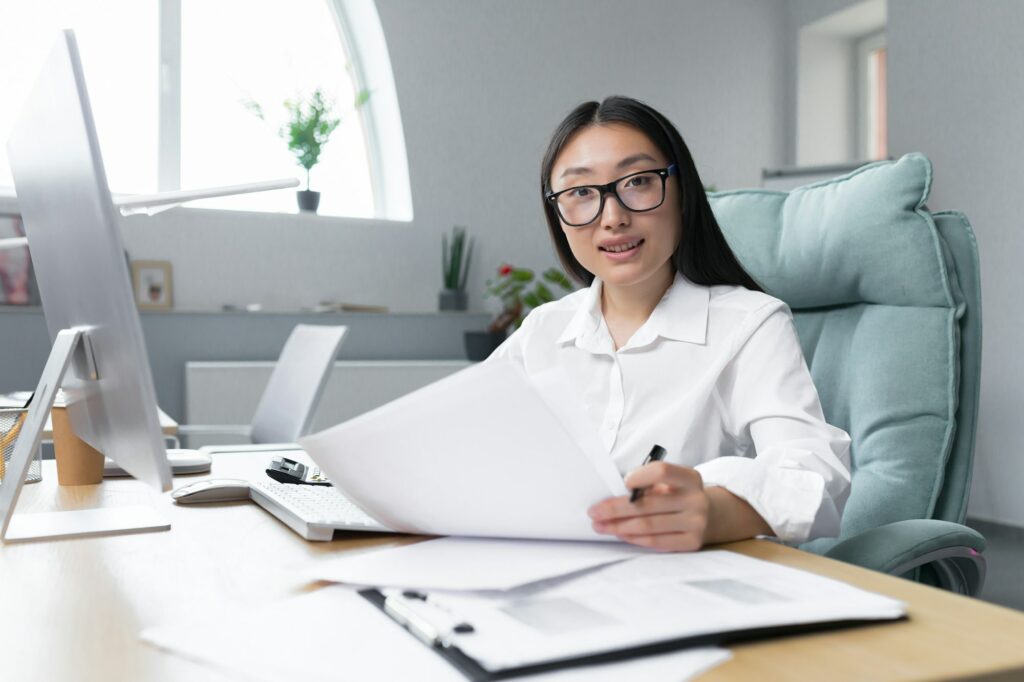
column 455, row 255
column 308, row 128
column 519, row 292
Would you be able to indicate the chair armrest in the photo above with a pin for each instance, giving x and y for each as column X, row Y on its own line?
column 952, row 550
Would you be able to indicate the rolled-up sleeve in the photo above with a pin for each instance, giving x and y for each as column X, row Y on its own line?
column 791, row 466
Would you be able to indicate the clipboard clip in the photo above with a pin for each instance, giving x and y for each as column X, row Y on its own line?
column 401, row 613
column 399, row 608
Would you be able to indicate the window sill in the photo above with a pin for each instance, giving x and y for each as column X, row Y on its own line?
column 9, row 206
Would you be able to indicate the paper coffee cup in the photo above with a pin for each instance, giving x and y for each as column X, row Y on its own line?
column 78, row 463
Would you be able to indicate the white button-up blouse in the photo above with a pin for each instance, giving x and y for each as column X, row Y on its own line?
column 716, row 377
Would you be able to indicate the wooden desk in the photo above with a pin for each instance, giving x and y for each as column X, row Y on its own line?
column 72, row 609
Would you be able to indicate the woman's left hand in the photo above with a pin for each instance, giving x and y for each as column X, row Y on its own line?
column 671, row 516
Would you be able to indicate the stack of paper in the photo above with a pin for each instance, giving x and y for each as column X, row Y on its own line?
column 340, row 635
column 597, row 605
column 334, row 634
column 696, row 599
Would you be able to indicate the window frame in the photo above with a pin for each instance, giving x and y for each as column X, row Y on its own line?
column 863, row 47
column 168, row 158
column 362, row 39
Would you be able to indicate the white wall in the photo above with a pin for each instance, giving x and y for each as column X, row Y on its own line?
column 956, row 94
column 481, row 86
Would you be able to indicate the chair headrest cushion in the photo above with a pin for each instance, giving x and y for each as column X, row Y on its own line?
column 865, row 237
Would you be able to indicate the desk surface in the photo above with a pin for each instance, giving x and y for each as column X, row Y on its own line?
column 72, row 609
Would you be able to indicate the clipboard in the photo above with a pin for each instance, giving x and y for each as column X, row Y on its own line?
column 437, row 640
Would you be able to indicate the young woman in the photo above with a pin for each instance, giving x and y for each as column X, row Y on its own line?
column 674, row 344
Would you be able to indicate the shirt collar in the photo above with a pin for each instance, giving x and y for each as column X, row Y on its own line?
column 681, row 315
column 588, row 316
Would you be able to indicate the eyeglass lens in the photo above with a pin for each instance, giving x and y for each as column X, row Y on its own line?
column 640, row 192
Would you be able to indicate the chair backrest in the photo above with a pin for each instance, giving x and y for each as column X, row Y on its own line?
column 287, row 406
column 886, row 301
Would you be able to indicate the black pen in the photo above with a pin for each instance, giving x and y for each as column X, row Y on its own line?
column 656, row 454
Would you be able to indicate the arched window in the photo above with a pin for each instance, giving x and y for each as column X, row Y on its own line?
column 169, row 81
column 117, row 42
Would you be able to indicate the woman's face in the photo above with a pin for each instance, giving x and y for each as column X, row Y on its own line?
column 619, row 246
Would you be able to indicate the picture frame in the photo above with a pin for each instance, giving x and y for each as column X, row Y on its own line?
column 17, row 277
column 152, row 284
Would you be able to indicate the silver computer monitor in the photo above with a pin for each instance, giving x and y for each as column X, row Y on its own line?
column 79, row 259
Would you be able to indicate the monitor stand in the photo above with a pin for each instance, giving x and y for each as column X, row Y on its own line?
column 71, row 347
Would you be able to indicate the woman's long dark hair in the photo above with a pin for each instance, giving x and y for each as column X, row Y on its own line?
column 703, row 256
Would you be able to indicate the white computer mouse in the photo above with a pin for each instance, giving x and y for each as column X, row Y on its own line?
column 212, row 490
column 182, row 462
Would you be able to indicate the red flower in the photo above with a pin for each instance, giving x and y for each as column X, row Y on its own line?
column 505, row 270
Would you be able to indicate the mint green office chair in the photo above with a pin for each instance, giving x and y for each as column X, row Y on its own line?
column 887, row 303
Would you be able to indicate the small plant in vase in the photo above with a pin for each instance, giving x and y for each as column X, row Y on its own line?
column 455, row 256
column 520, row 291
column 307, row 129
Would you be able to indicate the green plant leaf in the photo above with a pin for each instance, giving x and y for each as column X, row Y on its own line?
column 445, row 263
column 362, row 97
column 531, row 300
column 522, row 275
column 465, row 267
column 544, row 293
column 309, row 127
column 557, row 277
column 456, row 264
column 254, row 108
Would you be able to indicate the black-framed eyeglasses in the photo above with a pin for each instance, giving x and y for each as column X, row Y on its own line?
column 637, row 192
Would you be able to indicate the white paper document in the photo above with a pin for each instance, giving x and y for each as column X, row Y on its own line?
column 334, row 634
column 470, row 563
column 479, row 453
column 646, row 600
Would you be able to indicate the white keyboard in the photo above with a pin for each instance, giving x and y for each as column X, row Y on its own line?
column 312, row 511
